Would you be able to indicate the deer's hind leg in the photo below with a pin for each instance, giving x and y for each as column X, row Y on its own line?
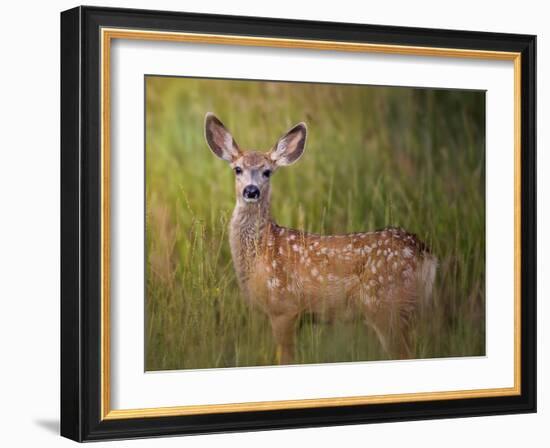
column 394, row 336
column 392, row 319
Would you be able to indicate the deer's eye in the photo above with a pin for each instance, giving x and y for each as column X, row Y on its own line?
column 238, row 170
column 267, row 173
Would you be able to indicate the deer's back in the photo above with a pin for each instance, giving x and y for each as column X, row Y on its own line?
column 320, row 273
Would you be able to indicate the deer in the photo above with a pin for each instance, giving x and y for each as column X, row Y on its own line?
column 382, row 276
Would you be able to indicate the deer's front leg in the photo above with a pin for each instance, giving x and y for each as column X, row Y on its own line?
column 284, row 332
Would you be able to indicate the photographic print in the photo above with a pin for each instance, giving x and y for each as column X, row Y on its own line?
column 299, row 223
column 231, row 219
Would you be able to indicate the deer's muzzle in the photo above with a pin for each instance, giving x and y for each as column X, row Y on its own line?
column 251, row 193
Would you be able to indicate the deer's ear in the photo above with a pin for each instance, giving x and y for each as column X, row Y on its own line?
column 290, row 146
column 219, row 139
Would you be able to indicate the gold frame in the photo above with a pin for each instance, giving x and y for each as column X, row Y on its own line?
column 107, row 35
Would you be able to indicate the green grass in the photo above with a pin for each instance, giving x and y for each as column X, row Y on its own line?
column 375, row 157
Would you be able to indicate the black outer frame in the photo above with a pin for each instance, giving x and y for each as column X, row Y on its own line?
column 80, row 223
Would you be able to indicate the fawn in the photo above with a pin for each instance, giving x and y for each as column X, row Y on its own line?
column 381, row 276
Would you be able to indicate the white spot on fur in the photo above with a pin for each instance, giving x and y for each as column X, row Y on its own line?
column 292, row 237
column 373, row 269
column 314, row 272
column 407, row 252
column 273, row 283
column 295, row 248
column 274, row 263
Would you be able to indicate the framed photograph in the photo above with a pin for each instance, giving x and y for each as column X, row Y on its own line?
column 275, row 224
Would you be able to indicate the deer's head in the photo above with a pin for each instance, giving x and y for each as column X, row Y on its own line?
column 253, row 169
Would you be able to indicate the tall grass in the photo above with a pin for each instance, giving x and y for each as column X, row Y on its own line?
column 375, row 156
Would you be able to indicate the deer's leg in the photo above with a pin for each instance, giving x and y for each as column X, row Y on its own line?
column 404, row 332
column 284, row 329
column 381, row 336
column 402, row 342
column 392, row 325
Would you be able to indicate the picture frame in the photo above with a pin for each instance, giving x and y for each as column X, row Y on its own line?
column 87, row 35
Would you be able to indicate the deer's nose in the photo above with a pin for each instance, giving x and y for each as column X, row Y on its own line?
column 251, row 192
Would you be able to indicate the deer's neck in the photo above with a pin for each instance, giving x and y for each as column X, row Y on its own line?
column 249, row 228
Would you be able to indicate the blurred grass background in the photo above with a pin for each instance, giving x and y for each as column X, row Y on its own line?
column 375, row 157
